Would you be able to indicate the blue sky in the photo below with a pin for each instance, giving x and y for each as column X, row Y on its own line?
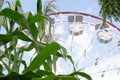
column 86, row 6
column 90, row 6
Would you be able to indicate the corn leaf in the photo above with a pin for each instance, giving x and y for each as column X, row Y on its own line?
column 21, row 36
column 17, row 17
column 39, row 6
column 44, row 54
column 81, row 74
column 5, row 39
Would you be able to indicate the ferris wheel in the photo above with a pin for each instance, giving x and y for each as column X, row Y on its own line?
column 95, row 47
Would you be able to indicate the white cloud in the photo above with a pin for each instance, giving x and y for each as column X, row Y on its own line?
column 59, row 30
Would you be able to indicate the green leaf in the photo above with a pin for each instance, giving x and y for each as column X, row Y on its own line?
column 32, row 27
column 46, row 66
column 64, row 52
column 41, row 24
column 2, row 56
column 17, row 17
column 1, row 74
column 81, row 74
column 24, row 63
column 44, row 54
column 1, row 69
column 65, row 77
column 18, row 3
column 42, row 73
column 34, row 31
column 49, row 62
column 39, row 6
column 5, row 39
column 70, row 58
column 39, row 46
column 19, row 7
column 41, row 28
column 14, row 76
column 21, row 36
column 59, row 55
column 36, row 18
column 31, row 75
